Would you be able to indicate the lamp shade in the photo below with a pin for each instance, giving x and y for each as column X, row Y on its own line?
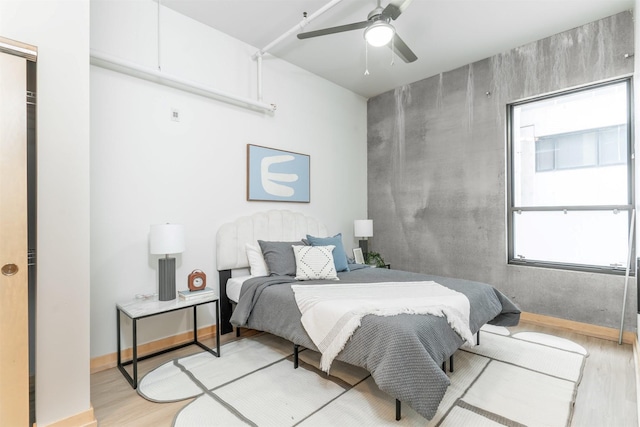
column 363, row 228
column 379, row 33
column 166, row 239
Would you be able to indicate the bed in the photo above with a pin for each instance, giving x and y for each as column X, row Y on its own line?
column 404, row 352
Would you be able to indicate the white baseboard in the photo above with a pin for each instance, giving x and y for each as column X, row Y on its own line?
column 83, row 419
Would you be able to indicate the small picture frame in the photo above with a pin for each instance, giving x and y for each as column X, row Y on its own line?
column 357, row 254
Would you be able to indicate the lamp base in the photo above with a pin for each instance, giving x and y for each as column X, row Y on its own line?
column 167, row 282
column 364, row 245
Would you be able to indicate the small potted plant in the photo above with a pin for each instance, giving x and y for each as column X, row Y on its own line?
column 375, row 259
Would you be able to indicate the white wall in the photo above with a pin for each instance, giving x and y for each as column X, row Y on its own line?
column 148, row 169
column 60, row 30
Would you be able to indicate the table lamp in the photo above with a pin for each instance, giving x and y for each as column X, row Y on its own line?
column 363, row 228
column 166, row 239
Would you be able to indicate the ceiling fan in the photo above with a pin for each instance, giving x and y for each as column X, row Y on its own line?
column 378, row 29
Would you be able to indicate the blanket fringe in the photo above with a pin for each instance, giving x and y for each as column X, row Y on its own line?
column 337, row 345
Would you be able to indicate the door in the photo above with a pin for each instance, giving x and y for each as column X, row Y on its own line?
column 14, row 332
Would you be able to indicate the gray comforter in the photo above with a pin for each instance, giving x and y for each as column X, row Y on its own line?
column 404, row 353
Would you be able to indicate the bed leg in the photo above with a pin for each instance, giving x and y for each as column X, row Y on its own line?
column 451, row 363
column 398, row 410
column 478, row 338
column 296, row 347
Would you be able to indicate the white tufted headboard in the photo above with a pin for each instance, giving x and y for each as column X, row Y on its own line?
column 273, row 225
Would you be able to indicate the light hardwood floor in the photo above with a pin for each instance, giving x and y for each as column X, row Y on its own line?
column 606, row 395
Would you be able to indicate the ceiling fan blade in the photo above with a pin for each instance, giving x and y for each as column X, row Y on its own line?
column 401, row 49
column 402, row 4
column 333, row 30
column 395, row 8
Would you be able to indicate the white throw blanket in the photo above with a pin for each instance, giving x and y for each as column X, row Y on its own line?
column 332, row 313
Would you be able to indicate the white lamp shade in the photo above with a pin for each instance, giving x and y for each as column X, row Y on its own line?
column 166, row 239
column 379, row 34
column 363, row 228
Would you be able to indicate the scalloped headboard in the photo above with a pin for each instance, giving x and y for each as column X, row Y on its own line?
column 273, row 225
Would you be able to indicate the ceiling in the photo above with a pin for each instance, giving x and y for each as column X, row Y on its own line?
column 444, row 34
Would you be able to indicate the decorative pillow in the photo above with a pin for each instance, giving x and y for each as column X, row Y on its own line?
column 339, row 255
column 279, row 257
column 315, row 262
column 257, row 263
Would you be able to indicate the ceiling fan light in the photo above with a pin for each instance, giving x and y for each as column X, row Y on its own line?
column 379, row 34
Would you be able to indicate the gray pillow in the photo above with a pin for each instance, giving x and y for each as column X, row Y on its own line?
column 279, row 257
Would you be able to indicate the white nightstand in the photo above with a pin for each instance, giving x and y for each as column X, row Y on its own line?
column 141, row 308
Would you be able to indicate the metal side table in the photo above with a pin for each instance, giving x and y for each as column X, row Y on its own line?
column 141, row 308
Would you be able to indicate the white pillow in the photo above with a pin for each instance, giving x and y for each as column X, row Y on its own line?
column 315, row 262
column 256, row 261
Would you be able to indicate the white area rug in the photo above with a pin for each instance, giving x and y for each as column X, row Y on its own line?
column 526, row 379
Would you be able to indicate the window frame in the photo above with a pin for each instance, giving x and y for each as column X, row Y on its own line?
column 512, row 210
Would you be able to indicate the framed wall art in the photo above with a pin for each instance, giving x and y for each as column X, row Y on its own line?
column 276, row 175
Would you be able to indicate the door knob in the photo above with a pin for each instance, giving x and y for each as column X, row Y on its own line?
column 9, row 269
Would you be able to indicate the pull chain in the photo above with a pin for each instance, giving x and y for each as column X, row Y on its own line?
column 366, row 58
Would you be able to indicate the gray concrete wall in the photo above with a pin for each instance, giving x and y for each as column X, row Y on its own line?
column 437, row 171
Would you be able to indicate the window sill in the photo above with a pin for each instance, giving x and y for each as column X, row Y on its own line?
column 573, row 267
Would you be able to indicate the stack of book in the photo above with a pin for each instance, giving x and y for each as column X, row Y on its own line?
column 187, row 294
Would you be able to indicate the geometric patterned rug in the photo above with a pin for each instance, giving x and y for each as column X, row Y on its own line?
column 525, row 379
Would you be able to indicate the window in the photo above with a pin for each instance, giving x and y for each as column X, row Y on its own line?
column 586, row 148
column 571, row 179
